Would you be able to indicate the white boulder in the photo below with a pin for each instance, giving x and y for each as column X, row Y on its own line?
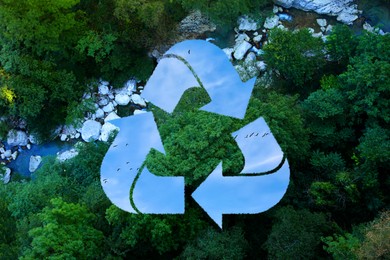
column 106, row 131
column 17, row 138
column 90, row 130
column 261, row 65
column 8, row 153
column 7, row 175
column 228, row 52
column 347, row 18
column 122, row 99
column 103, row 88
column 137, row 112
column 257, row 38
column 271, row 22
column 62, row 157
column 138, row 100
column 111, row 116
column 63, row 137
column 247, row 24
column 321, row 22
column 99, row 113
column 35, row 161
column 241, row 49
column 108, row 108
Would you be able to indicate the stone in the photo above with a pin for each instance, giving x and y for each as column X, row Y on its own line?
column 196, row 23
column 122, row 99
column 275, row 10
column 2, row 156
column 323, row 29
column 8, row 153
column 241, row 49
column 103, row 101
column 257, row 38
column 33, row 139
column 138, row 100
column 368, row 27
column 322, row 22
column 107, row 130
column 63, row 137
column 137, row 112
column 111, row 116
column 261, row 65
column 17, row 138
column 28, row 146
column 228, row 52
column 317, row 35
column 103, row 88
column 99, row 113
column 67, row 155
column 251, row 57
column 108, row 108
column 2, row 150
column 345, row 10
column 77, row 135
column 347, row 18
column 247, row 24
column 90, row 130
column 271, row 22
column 281, row 27
column 242, row 37
column 14, row 155
column 35, row 161
column 7, row 175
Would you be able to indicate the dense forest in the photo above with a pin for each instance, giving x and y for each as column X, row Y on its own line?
column 326, row 103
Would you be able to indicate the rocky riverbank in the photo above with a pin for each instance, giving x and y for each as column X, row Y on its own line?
column 246, row 54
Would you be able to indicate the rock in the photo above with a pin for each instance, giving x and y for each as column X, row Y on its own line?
column 14, row 155
column 63, row 137
column 317, row 35
column 251, row 57
column 196, row 23
column 347, row 18
column 62, row 157
column 138, row 100
column 35, row 161
column 228, row 52
column 90, row 130
column 7, row 175
column 322, row 22
column 2, row 156
column 137, row 112
column 111, row 116
column 345, row 10
column 77, row 135
column 107, row 130
column 33, row 139
column 103, row 101
column 281, row 27
column 242, row 37
column 257, row 38
column 131, row 86
column 2, row 150
column 99, row 113
column 103, row 88
column 241, row 49
column 28, row 146
column 8, row 153
column 247, row 24
column 368, row 27
column 271, row 22
column 285, row 17
column 261, row 65
column 275, row 10
column 255, row 33
column 258, row 52
column 109, row 108
column 311, row 30
column 17, row 138
column 122, row 99
column 323, row 29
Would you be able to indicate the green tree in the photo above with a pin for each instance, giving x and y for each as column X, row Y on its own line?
column 212, row 244
column 296, row 234
column 67, row 232
column 294, row 56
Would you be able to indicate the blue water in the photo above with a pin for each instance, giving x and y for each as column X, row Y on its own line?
column 376, row 12
column 20, row 165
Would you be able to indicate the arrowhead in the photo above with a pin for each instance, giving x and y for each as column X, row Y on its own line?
column 231, row 100
column 204, row 195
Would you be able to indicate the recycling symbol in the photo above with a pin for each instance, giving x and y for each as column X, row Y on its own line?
column 129, row 184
